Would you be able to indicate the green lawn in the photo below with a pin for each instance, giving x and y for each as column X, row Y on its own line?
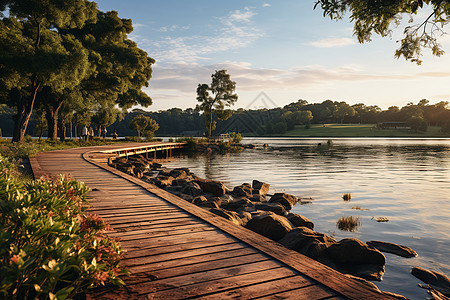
column 357, row 130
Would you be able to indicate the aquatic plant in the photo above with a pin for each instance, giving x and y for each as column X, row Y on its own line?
column 357, row 207
column 350, row 223
column 347, row 197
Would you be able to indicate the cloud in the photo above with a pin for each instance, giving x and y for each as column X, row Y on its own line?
column 332, row 42
column 266, row 5
column 173, row 28
column 176, row 84
column 234, row 31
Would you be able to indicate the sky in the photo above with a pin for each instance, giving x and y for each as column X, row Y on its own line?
column 277, row 52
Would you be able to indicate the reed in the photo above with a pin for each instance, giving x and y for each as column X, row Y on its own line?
column 347, row 197
column 350, row 223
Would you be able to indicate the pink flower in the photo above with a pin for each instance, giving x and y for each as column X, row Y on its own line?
column 15, row 259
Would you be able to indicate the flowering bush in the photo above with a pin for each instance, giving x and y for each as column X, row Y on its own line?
column 49, row 247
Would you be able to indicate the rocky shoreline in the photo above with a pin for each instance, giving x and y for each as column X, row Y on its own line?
column 251, row 206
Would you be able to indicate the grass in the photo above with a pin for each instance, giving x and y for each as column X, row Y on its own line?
column 31, row 148
column 350, row 223
column 359, row 130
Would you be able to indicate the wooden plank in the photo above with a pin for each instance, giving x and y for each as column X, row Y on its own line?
column 307, row 293
column 185, row 245
column 269, row 286
column 195, row 278
column 154, row 222
column 203, row 267
column 158, row 230
column 141, row 257
column 189, row 261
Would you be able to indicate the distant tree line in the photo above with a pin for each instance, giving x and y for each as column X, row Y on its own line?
column 190, row 122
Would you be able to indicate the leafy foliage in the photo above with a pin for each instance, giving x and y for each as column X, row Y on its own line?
column 144, row 125
column 215, row 97
column 380, row 17
column 49, row 246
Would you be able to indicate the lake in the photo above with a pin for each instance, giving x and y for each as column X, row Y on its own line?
column 404, row 180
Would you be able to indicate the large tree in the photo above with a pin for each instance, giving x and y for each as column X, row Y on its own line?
column 215, row 97
column 381, row 16
column 34, row 54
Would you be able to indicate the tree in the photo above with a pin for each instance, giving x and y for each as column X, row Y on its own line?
column 34, row 53
column 380, row 16
column 343, row 110
column 214, row 98
column 417, row 123
column 144, row 125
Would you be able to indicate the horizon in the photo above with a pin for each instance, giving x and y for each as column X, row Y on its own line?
column 285, row 49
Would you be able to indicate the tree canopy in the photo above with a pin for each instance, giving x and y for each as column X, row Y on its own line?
column 55, row 51
column 215, row 97
column 382, row 16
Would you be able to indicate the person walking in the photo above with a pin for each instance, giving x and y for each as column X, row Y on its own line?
column 84, row 133
column 104, row 131
column 91, row 133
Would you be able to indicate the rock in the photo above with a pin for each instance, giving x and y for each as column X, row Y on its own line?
column 270, row 225
column 239, row 204
column 435, row 280
column 186, row 197
column 175, row 189
column 366, row 271
column 163, row 181
column 192, row 189
column 288, row 201
column 208, row 204
column 178, row 174
column 218, row 200
column 307, row 242
column 399, row 250
column 199, row 200
column 229, row 215
column 245, row 217
column 353, row 251
column 243, row 190
column 257, row 198
column 368, row 284
column 300, row 221
column 210, row 186
column 260, row 188
column 182, row 182
column 155, row 166
column 273, row 207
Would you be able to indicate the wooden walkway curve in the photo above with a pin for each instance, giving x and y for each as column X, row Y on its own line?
column 176, row 250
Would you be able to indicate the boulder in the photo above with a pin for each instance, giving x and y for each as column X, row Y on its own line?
column 245, row 217
column 399, row 250
column 243, row 190
column 353, row 251
column 182, row 182
column 178, row 173
column 260, row 188
column 199, row 200
column 273, row 207
column 218, row 200
column 270, row 225
column 175, row 189
column 192, row 189
column 288, row 201
column 186, row 197
column 155, row 166
column 257, row 198
column 239, row 204
column 163, row 181
column 300, row 221
column 366, row 271
column 435, row 280
column 307, row 242
column 229, row 215
column 208, row 204
column 216, row 188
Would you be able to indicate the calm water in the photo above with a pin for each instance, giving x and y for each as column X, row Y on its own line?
column 404, row 180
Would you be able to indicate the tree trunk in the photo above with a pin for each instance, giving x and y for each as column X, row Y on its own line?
column 62, row 132
column 52, row 120
column 24, row 109
column 70, row 128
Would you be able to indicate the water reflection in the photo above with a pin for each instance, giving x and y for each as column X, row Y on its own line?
column 406, row 181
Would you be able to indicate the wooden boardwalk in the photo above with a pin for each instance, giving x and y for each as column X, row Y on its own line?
column 176, row 250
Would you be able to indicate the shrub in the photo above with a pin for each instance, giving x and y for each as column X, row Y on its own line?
column 49, row 246
column 235, row 137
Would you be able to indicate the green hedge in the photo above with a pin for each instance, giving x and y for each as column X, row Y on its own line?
column 50, row 248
